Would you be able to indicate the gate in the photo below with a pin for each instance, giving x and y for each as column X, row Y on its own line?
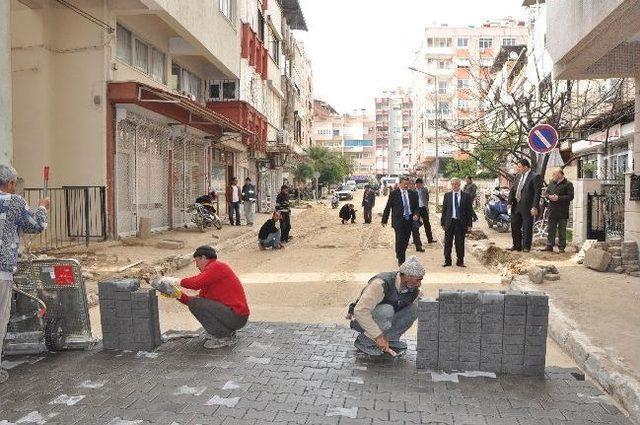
column 605, row 212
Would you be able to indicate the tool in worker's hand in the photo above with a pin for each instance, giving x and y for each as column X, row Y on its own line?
column 167, row 286
column 45, row 186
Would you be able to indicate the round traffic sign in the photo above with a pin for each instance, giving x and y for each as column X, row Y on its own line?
column 543, row 138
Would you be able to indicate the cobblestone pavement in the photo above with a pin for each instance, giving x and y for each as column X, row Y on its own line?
column 283, row 373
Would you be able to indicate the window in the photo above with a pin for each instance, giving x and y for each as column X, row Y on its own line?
column 158, row 65
column 463, row 42
column 444, row 64
column 187, row 82
column 275, row 49
column 260, row 26
column 336, row 132
column 133, row 51
column 463, row 104
column 462, row 123
column 509, row 41
column 229, row 90
column 124, row 50
column 227, row 7
column 463, row 84
column 485, row 43
column 142, row 56
column 443, row 107
column 442, row 87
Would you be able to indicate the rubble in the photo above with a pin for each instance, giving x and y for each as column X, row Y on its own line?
column 170, row 244
column 536, row 275
column 619, row 256
column 597, row 259
column 476, row 235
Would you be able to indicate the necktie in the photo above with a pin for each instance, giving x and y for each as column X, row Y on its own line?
column 519, row 191
column 456, row 205
column 405, row 201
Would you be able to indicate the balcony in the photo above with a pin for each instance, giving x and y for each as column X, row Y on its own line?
column 283, row 143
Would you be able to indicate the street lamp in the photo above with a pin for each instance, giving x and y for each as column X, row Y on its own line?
column 435, row 83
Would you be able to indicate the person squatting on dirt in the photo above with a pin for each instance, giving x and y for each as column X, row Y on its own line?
column 15, row 218
column 269, row 234
column 386, row 309
column 347, row 212
column 221, row 306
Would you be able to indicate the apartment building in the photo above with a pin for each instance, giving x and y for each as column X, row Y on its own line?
column 455, row 64
column 352, row 134
column 394, row 139
column 155, row 102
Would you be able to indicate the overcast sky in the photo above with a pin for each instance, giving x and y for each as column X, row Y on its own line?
column 361, row 47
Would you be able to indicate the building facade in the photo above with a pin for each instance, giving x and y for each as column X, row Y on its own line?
column 394, row 121
column 155, row 101
column 351, row 134
column 455, row 63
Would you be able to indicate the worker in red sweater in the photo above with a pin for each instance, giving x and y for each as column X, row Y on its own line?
column 221, row 306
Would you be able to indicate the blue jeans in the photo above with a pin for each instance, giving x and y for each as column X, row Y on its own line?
column 234, row 208
column 273, row 240
column 392, row 324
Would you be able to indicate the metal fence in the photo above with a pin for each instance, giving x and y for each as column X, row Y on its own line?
column 77, row 215
column 605, row 212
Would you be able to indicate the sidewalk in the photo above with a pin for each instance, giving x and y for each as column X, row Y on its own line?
column 284, row 373
column 602, row 309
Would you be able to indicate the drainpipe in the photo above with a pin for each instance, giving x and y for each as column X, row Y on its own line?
column 6, row 133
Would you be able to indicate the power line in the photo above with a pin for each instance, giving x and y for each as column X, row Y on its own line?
column 88, row 16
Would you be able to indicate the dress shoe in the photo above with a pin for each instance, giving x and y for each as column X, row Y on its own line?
column 446, row 265
column 561, row 251
column 547, row 249
column 460, row 265
column 432, row 241
column 514, row 249
column 420, row 249
column 526, row 250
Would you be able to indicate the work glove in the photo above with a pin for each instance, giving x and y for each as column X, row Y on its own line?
column 167, row 286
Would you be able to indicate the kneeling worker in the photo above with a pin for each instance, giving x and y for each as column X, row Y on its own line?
column 269, row 234
column 385, row 309
column 347, row 212
column 221, row 307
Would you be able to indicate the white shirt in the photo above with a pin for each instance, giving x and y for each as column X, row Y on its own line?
column 454, row 212
column 235, row 194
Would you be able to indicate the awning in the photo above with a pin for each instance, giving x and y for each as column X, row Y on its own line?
column 173, row 106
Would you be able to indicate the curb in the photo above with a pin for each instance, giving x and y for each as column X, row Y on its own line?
column 591, row 358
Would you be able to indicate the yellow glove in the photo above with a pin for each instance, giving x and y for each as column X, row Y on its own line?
column 169, row 287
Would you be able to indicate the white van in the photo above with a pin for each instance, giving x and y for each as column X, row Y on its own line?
column 351, row 184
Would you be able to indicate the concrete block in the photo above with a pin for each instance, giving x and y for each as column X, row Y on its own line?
column 512, row 359
column 449, row 366
column 468, row 365
column 514, row 339
column 534, row 350
column 515, row 310
column 515, row 320
column 471, row 328
column 492, row 327
column 170, row 244
column 532, row 330
column 495, row 367
column 597, row 259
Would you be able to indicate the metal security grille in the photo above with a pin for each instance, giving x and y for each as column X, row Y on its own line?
column 142, row 149
column 605, row 212
column 194, row 169
column 125, row 177
column 179, row 201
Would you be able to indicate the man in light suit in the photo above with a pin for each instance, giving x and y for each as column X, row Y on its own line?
column 423, row 204
column 456, row 219
column 524, row 199
column 402, row 204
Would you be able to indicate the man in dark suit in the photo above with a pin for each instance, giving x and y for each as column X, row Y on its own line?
column 423, row 204
column 368, row 202
column 456, row 219
column 524, row 199
column 559, row 194
column 415, row 229
column 402, row 204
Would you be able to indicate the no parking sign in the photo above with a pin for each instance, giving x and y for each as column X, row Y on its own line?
column 543, row 138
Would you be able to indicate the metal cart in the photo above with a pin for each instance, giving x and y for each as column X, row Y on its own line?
column 49, row 310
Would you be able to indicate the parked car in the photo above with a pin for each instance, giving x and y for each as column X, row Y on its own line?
column 344, row 193
column 351, row 184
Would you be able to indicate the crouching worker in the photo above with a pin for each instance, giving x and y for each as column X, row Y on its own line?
column 347, row 212
column 221, row 307
column 269, row 234
column 386, row 309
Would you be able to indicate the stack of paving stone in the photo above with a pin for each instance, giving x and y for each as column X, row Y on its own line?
column 503, row 332
column 129, row 316
column 624, row 256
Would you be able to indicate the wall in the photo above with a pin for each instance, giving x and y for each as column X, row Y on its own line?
column 581, row 188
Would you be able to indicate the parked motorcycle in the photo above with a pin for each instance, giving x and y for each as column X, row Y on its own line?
column 204, row 217
column 496, row 212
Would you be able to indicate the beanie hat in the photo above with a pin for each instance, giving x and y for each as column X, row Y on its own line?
column 412, row 267
column 205, row 251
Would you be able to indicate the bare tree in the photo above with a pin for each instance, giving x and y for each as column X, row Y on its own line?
column 512, row 104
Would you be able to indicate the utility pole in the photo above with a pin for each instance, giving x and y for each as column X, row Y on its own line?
column 437, row 167
column 6, row 114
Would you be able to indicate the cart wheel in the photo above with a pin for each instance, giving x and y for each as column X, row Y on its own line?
column 54, row 335
column 217, row 224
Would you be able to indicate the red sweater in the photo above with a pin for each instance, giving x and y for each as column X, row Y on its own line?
column 219, row 283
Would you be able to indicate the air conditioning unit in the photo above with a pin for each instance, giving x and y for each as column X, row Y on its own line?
column 281, row 137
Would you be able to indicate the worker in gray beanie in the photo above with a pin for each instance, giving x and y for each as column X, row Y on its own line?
column 386, row 309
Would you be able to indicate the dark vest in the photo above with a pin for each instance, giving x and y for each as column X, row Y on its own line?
column 391, row 295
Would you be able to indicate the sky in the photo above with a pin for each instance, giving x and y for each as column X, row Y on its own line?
column 360, row 47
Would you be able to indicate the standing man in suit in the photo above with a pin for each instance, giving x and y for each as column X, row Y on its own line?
column 402, row 204
column 423, row 204
column 456, row 219
column 524, row 199
column 415, row 229
column 368, row 202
